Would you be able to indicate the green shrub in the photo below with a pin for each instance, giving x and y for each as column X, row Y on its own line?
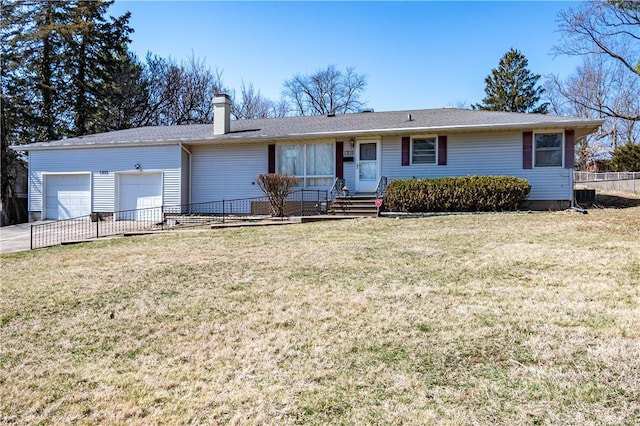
column 468, row 193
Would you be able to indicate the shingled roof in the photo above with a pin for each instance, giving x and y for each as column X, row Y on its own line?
column 449, row 120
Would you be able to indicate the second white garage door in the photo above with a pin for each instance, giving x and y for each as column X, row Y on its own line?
column 140, row 191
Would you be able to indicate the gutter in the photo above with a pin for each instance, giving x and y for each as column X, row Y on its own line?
column 94, row 145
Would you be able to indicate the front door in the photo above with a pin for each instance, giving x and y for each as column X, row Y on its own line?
column 367, row 166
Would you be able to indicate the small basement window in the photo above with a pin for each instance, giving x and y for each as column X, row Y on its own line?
column 423, row 151
column 548, row 149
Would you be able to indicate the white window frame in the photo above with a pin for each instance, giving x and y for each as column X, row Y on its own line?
column 535, row 148
column 303, row 178
column 435, row 149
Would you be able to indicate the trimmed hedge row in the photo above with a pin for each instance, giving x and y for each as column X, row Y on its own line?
column 468, row 193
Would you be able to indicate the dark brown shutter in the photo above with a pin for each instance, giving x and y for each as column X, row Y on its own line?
column 406, row 150
column 442, row 150
column 527, row 150
column 569, row 148
column 272, row 159
column 339, row 162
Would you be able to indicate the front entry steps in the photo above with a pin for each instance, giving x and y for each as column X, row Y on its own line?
column 357, row 205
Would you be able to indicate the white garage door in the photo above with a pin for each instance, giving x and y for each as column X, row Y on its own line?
column 137, row 192
column 67, row 196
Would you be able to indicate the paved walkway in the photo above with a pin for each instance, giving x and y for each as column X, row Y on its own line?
column 15, row 237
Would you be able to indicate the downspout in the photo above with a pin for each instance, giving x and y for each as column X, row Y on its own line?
column 573, row 195
column 572, row 188
column 190, row 174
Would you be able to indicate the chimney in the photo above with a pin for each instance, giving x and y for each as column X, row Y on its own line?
column 221, row 114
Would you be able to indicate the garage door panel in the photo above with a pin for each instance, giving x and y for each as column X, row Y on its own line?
column 140, row 191
column 67, row 196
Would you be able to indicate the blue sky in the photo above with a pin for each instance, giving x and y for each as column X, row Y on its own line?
column 414, row 54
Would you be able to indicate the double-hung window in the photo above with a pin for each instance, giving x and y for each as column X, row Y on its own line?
column 313, row 163
column 548, row 149
column 423, row 150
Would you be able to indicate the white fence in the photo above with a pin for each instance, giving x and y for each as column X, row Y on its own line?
column 609, row 181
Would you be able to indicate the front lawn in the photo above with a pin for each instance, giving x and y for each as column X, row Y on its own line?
column 505, row 319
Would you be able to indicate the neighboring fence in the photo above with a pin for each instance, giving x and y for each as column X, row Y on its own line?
column 610, row 181
column 302, row 202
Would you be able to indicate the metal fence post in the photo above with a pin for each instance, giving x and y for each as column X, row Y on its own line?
column 222, row 211
column 31, row 237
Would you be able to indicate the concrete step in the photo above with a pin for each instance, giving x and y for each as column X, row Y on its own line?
column 354, row 206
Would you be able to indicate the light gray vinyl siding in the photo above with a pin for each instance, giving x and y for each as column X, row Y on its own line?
column 103, row 163
column 103, row 185
column 171, row 188
column 481, row 154
column 227, row 171
column 349, row 173
column 185, row 173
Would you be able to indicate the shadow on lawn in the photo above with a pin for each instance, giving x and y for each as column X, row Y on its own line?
column 611, row 200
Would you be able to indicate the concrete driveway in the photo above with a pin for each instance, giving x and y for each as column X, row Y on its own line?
column 16, row 237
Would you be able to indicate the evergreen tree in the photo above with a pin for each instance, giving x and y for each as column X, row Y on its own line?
column 512, row 87
column 127, row 104
column 61, row 74
column 96, row 51
column 33, row 80
column 626, row 158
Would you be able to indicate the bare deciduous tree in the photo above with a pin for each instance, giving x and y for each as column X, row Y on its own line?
column 276, row 186
column 181, row 93
column 253, row 105
column 327, row 91
column 594, row 90
column 608, row 28
column 607, row 84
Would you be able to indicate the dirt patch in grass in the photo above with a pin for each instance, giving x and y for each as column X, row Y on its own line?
column 472, row 319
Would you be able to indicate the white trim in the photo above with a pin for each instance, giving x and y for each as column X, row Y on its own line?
column 435, row 147
column 44, row 176
column 378, row 142
column 562, row 148
column 304, row 177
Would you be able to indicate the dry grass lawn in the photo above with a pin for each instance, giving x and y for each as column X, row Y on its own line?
column 472, row 319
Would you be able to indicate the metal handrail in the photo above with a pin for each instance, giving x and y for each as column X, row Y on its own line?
column 337, row 187
column 381, row 189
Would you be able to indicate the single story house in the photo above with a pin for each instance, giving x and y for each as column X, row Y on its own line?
column 177, row 165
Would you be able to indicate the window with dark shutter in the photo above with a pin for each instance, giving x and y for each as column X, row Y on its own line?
column 339, row 161
column 271, row 168
column 442, row 150
column 569, row 148
column 406, row 150
column 527, row 150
